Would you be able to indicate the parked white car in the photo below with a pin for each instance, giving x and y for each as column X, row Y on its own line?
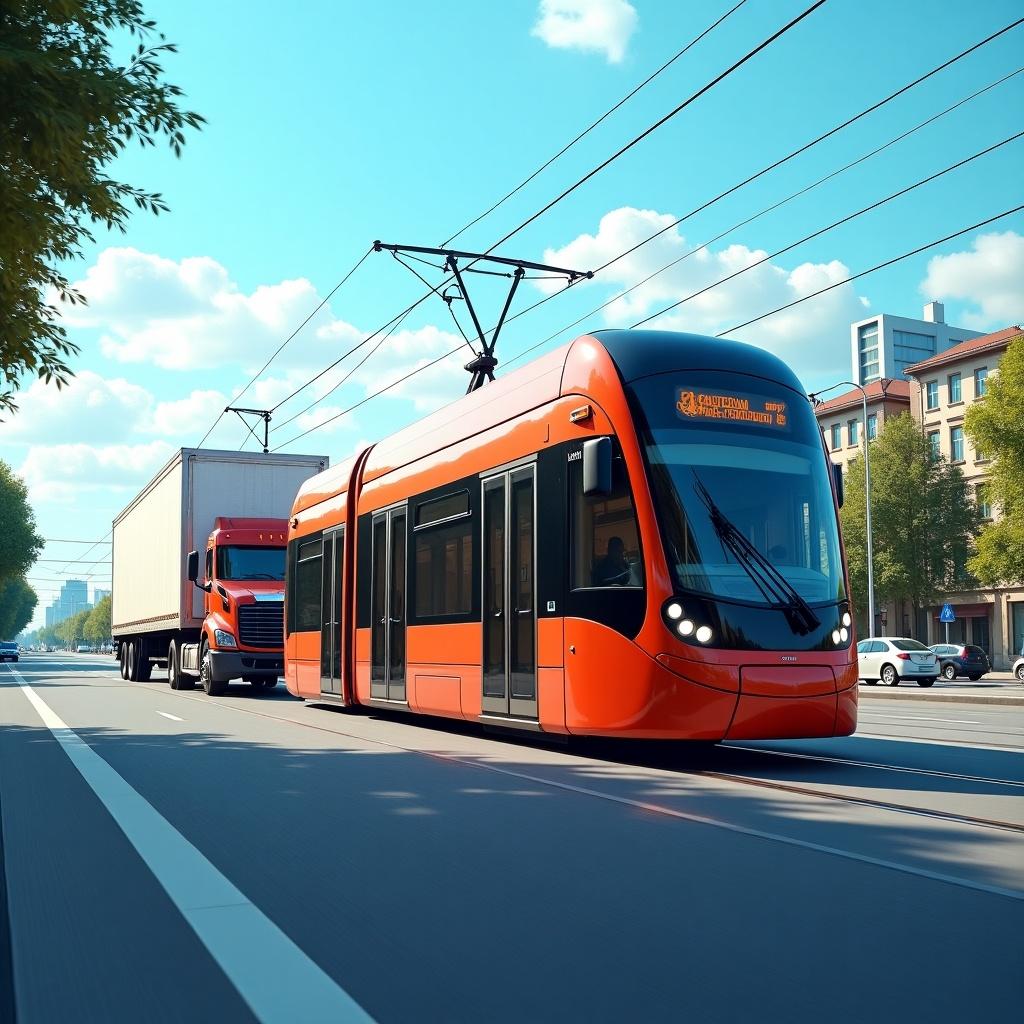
column 1018, row 669
column 894, row 658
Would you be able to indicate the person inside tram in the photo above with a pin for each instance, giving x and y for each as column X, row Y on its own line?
column 613, row 570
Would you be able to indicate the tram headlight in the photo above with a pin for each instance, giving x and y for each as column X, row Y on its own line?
column 847, row 621
column 844, row 634
column 674, row 611
column 837, row 637
column 703, row 634
column 685, row 627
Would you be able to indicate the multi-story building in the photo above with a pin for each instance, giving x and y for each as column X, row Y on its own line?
column 98, row 595
column 885, row 345
column 936, row 391
column 73, row 598
column 841, row 418
column 941, row 390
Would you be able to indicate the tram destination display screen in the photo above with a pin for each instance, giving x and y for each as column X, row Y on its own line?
column 698, row 405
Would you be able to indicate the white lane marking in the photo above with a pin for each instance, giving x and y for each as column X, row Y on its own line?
column 225, row 921
column 923, row 718
column 173, row 718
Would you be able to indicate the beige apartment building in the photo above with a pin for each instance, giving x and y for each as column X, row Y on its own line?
column 937, row 391
column 942, row 388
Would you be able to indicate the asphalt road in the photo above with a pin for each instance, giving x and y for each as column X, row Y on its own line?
column 171, row 857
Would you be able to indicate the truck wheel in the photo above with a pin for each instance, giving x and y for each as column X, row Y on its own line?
column 132, row 663
column 213, row 687
column 123, row 659
column 270, row 683
column 177, row 679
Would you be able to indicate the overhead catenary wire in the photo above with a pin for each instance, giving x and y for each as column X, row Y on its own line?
column 763, row 316
column 280, row 348
column 795, row 153
column 749, row 220
column 590, row 174
column 586, row 131
column 871, row 270
column 830, row 227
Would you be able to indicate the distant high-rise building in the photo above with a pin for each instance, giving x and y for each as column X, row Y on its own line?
column 883, row 346
column 74, row 597
column 98, row 595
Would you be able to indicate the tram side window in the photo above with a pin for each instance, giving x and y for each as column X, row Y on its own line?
column 444, row 558
column 305, row 585
column 605, row 538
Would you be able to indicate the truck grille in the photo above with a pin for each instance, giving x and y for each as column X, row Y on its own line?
column 261, row 624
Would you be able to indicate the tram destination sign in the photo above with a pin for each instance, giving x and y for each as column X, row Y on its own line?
column 731, row 407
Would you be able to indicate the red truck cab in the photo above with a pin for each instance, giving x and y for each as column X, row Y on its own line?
column 243, row 628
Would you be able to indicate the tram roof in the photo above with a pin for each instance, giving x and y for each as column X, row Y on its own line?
column 635, row 354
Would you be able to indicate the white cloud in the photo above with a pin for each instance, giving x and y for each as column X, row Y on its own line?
column 811, row 337
column 67, row 473
column 604, row 26
column 189, row 314
column 989, row 277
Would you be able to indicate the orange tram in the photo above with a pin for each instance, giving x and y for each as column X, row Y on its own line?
column 635, row 535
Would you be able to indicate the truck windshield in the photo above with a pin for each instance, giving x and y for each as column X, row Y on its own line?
column 250, row 563
column 727, row 447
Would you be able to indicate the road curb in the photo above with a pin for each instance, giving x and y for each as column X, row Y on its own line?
column 875, row 693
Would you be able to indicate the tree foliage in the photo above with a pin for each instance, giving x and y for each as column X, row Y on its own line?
column 68, row 110
column 72, row 630
column 17, row 603
column 995, row 426
column 19, row 543
column 923, row 521
column 97, row 626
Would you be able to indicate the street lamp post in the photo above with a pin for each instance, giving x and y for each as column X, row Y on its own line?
column 815, row 397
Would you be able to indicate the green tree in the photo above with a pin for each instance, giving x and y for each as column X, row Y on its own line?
column 97, row 626
column 68, row 110
column 923, row 521
column 17, row 603
column 995, row 426
column 19, row 543
column 72, row 630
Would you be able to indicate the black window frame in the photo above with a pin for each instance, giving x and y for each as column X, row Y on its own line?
column 292, row 580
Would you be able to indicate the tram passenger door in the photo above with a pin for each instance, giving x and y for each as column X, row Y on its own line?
column 330, row 604
column 387, row 674
column 509, row 594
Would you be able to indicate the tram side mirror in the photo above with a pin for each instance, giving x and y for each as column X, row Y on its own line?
column 837, row 476
column 597, row 466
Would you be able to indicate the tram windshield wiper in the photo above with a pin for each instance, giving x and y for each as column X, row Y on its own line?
column 774, row 587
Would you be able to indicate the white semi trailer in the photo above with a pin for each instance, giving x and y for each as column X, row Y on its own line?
column 232, row 506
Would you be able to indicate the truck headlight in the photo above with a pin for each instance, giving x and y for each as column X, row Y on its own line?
column 222, row 638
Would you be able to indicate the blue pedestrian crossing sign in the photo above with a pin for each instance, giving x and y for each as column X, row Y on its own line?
column 947, row 614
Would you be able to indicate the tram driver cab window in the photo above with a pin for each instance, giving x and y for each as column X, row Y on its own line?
column 605, row 538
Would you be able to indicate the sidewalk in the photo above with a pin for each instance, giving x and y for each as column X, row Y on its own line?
column 994, row 688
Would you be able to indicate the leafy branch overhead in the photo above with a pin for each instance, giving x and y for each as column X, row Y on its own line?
column 68, row 111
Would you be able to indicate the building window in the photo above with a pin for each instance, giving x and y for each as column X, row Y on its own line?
column 954, row 387
column 931, row 392
column 605, row 537
column 873, row 426
column 851, row 431
column 910, row 348
column 981, row 382
column 867, row 336
column 837, row 436
column 933, row 444
column 956, row 444
column 980, row 456
column 981, row 500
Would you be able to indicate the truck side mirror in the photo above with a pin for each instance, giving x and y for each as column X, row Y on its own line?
column 193, row 570
column 837, row 477
column 597, row 466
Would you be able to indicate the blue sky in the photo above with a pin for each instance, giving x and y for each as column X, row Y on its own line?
column 334, row 124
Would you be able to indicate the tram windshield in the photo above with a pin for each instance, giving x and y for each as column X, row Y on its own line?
column 742, row 490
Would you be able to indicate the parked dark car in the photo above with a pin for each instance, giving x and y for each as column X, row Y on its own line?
column 8, row 650
column 961, row 660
